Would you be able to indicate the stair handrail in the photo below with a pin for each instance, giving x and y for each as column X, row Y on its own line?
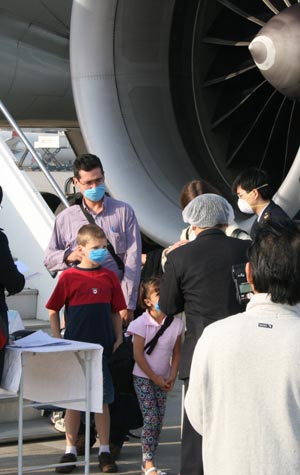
column 39, row 161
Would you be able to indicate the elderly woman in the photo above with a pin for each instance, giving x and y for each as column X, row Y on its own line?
column 198, row 280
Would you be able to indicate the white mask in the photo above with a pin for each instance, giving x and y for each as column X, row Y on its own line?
column 244, row 206
column 192, row 235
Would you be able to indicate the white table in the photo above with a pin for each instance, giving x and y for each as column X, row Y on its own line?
column 68, row 376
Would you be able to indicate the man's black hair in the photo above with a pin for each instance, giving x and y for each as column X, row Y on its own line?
column 274, row 257
column 251, row 178
column 86, row 162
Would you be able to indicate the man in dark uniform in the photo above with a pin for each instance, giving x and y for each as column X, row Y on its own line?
column 198, row 280
column 252, row 186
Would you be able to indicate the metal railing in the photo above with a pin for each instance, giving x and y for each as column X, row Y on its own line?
column 39, row 161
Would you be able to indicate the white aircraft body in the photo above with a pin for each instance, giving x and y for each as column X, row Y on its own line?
column 163, row 92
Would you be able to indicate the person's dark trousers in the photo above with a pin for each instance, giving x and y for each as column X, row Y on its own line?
column 2, row 353
column 191, row 446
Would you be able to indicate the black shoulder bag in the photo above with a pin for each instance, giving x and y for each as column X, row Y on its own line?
column 110, row 247
column 149, row 347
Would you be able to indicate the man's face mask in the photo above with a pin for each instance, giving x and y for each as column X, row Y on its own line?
column 96, row 193
column 244, row 206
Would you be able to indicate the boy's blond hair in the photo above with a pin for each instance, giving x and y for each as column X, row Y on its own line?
column 89, row 231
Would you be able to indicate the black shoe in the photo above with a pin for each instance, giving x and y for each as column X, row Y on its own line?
column 106, row 463
column 67, row 458
column 115, row 450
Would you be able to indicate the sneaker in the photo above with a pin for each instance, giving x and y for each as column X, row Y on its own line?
column 60, row 425
column 106, row 463
column 67, row 458
column 55, row 416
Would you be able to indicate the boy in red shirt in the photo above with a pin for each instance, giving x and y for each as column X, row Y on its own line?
column 93, row 298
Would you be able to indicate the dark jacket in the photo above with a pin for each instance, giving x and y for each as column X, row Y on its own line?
column 10, row 278
column 272, row 212
column 198, row 279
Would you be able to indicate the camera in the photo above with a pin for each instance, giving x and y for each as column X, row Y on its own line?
column 243, row 288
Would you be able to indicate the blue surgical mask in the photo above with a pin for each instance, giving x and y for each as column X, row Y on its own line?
column 98, row 255
column 96, row 193
column 157, row 307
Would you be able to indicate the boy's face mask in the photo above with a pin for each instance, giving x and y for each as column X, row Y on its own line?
column 98, row 255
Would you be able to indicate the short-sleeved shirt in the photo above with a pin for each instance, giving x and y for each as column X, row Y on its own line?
column 89, row 296
column 160, row 358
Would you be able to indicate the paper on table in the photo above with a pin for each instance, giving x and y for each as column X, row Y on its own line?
column 14, row 321
column 23, row 268
column 31, row 276
column 38, row 338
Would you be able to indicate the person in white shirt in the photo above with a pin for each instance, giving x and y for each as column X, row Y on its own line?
column 244, row 390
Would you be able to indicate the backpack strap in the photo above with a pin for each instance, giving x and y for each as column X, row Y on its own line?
column 110, row 247
column 152, row 343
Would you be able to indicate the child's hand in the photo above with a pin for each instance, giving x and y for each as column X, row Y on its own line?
column 170, row 383
column 117, row 344
column 74, row 256
column 162, row 383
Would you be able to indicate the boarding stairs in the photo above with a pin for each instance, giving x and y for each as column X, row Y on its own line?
column 28, row 222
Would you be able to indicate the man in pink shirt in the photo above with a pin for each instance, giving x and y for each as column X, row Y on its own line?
column 116, row 218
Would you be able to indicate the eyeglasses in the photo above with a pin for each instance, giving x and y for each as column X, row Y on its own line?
column 240, row 195
column 88, row 184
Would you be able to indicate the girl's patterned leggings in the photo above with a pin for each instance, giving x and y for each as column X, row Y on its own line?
column 152, row 401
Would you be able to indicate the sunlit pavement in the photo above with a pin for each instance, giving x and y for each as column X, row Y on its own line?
column 38, row 453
